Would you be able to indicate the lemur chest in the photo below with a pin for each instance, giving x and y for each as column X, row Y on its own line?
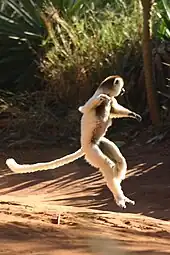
column 102, row 112
column 94, row 125
column 100, row 130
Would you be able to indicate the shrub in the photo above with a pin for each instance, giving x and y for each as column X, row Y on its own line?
column 75, row 64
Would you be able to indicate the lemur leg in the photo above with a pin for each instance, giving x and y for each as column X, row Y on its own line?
column 98, row 159
column 95, row 157
column 113, row 177
column 112, row 151
column 114, row 185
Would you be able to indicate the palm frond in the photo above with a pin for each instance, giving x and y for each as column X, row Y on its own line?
column 21, row 35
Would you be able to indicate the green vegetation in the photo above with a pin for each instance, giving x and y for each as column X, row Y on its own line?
column 77, row 36
column 21, row 32
column 63, row 49
column 162, row 12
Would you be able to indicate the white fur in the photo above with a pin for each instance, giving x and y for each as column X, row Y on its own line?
column 17, row 168
column 113, row 173
column 26, row 168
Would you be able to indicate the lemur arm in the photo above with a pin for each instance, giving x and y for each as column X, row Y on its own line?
column 118, row 111
column 93, row 102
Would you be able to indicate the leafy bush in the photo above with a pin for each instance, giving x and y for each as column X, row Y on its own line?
column 99, row 39
column 21, row 33
column 71, row 34
column 162, row 24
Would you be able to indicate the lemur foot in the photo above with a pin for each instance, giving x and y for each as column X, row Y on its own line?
column 121, row 202
column 128, row 200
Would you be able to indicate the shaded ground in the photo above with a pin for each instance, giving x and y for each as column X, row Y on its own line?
column 90, row 222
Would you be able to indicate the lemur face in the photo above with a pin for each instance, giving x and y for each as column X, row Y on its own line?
column 113, row 85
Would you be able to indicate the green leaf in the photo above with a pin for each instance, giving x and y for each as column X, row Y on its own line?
column 167, row 7
column 22, row 13
column 22, row 31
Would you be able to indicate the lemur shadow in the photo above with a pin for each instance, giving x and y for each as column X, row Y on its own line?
column 80, row 185
column 147, row 181
column 75, row 181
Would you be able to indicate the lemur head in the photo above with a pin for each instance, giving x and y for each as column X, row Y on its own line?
column 113, row 86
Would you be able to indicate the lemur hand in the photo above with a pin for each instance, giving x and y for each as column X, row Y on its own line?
column 135, row 116
column 104, row 97
column 138, row 118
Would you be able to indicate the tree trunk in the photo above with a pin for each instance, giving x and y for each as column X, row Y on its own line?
column 147, row 58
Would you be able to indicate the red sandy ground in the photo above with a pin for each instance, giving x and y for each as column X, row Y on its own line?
column 70, row 210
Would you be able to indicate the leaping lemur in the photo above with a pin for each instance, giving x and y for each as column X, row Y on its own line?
column 98, row 150
column 111, row 86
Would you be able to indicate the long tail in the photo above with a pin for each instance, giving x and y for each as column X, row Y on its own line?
column 26, row 168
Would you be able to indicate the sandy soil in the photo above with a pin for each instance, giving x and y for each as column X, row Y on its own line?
column 70, row 210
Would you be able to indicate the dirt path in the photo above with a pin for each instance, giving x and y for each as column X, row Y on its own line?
column 70, row 210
